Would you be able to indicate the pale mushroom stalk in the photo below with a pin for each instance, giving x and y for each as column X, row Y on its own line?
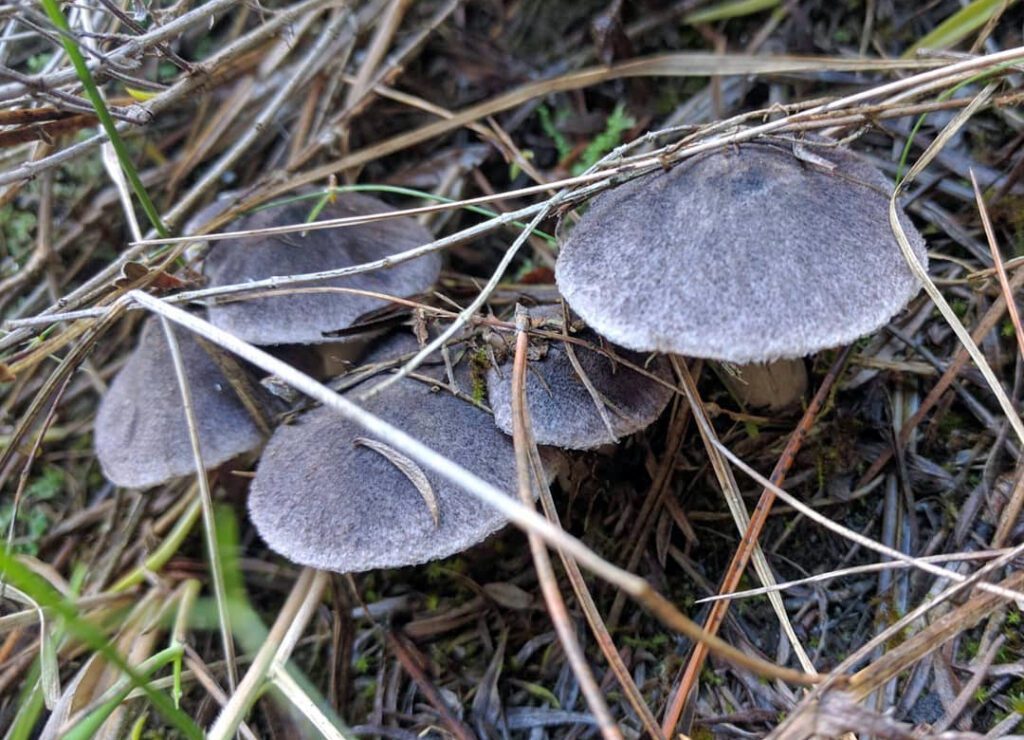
column 772, row 385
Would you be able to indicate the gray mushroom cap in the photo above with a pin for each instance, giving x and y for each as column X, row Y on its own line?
column 323, row 498
column 562, row 411
column 747, row 254
column 302, row 318
column 141, row 435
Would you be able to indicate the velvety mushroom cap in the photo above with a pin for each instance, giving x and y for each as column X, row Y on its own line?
column 323, row 498
column 302, row 318
column 562, row 411
column 747, row 254
column 141, row 434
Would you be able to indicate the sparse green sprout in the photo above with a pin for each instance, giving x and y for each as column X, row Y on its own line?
column 550, row 128
column 618, row 123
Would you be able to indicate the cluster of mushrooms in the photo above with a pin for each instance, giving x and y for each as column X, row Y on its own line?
column 748, row 255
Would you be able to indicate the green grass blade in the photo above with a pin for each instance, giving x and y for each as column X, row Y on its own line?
column 954, row 29
column 90, row 725
column 729, row 9
column 93, row 93
column 170, row 545
column 30, row 707
column 48, row 598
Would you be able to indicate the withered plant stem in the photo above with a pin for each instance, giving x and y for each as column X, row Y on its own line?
column 741, row 557
column 524, row 446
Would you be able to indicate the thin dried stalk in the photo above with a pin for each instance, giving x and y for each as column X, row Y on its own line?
column 470, row 311
column 858, row 538
column 922, row 274
column 288, row 627
column 938, row 633
column 956, row 557
column 542, row 562
column 206, row 498
column 953, row 369
column 749, row 546
column 997, row 260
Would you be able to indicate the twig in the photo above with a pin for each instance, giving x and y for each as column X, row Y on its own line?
column 749, row 542
column 288, row 627
column 206, row 499
column 475, row 305
column 521, row 429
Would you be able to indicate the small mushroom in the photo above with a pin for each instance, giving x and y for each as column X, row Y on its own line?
column 141, row 434
column 748, row 254
column 562, row 410
column 304, row 317
column 329, row 496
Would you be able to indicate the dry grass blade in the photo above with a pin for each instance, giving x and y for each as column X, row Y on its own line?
column 467, row 314
column 955, row 367
column 874, row 678
column 206, row 499
column 669, row 65
column 535, row 108
column 940, row 76
column 969, row 690
column 291, row 622
column 922, row 275
column 751, row 529
column 896, row 660
column 858, row 538
column 855, row 570
column 49, row 669
column 997, row 259
column 287, row 685
column 598, row 627
column 316, row 56
column 404, row 651
column 113, row 167
column 525, row 474
column 410, row 470
column 386, row 28
column 599, row 402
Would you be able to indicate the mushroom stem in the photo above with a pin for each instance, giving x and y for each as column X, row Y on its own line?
column 773, row 385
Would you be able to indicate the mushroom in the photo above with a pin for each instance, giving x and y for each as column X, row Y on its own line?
column 304, row 317
column 562, row 410
column 141, row 434
column 746, row 255
column 328, row 496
